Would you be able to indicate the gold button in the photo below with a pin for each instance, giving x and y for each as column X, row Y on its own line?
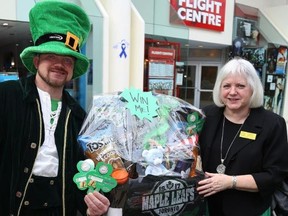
column 26, row 170
column 26, row 203
column 18, row 194
column 31, row 180
column 33, row 145
column 45, row 204
column 52, row 182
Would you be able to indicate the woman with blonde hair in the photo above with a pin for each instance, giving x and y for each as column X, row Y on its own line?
column 243, row 146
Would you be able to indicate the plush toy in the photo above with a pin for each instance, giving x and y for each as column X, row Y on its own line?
column 154, row 158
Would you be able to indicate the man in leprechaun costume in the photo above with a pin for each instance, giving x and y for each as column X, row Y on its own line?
column 40, row 121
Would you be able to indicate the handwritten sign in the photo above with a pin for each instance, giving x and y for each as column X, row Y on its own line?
column 142, row 104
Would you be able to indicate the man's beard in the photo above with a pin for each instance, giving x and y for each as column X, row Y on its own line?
column 52, row 83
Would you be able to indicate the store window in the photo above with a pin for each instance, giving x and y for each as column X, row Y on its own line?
column 269, row 60
column 15, row 36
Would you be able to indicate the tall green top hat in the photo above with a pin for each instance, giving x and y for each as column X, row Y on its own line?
column 58, row 27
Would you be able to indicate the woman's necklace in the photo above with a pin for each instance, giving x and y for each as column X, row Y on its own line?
column 221, row 167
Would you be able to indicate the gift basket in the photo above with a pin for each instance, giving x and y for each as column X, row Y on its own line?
column 150, row 142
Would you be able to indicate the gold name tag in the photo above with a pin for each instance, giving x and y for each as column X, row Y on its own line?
column 248, row 135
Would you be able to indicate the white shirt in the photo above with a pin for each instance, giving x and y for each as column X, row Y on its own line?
column 47, row 160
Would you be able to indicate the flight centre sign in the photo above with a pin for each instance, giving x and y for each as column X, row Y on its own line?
column 207, row 14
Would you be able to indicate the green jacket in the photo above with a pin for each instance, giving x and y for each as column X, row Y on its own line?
column 22, row 133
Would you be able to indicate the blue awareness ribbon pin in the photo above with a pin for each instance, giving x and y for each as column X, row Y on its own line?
column 123, row 47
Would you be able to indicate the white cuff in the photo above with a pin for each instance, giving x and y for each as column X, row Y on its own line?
column 114, row 212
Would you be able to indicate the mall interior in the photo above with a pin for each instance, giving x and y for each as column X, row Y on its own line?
column 174, row 47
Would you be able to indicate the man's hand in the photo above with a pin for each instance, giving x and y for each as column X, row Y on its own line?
column 97, row 204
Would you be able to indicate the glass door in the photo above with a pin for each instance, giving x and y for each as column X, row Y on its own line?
column 198, row 83
column 207, row 78
column 187, row 89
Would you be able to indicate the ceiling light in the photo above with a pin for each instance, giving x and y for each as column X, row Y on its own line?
column 5, row 24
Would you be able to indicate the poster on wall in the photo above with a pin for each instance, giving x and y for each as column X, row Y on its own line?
column 255, row 55
column 279, row 91
column 275, row 79
column 272, row 54
column 247, row 31
column 161, row 68
column 281, row 60
column 163, row 86
column 269, row 91
column 274, row 93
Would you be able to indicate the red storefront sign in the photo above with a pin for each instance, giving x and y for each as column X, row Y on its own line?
column 208, row 14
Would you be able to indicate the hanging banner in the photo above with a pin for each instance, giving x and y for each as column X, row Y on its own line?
column 207, row 14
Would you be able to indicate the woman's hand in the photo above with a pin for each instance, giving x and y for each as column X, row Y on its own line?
column 214, row 183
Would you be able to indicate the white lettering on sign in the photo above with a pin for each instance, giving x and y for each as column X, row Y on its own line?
column 198, row 16
column 206, row 12
column 154, row 52
column 201, row 13
column 203, row 5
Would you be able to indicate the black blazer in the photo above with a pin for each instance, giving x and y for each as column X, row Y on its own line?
column 265, row 158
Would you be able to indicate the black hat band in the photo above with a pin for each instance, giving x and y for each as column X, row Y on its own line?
column 70, row 40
